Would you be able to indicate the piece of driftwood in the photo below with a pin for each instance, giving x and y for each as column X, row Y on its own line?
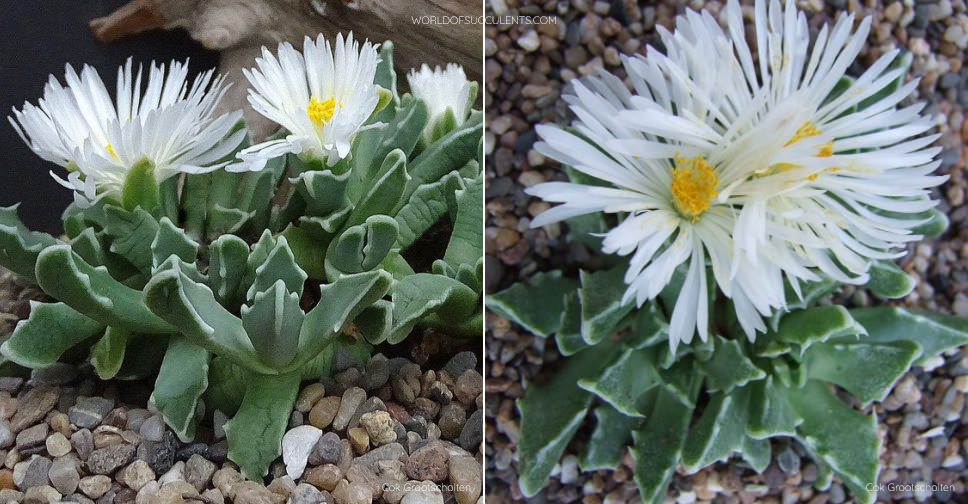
column 239, row 28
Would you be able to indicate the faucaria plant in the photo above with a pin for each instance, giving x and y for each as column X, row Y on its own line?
column 739, row 192
column 230, row 271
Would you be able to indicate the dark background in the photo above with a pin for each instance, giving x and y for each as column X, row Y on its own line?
column 37, row 38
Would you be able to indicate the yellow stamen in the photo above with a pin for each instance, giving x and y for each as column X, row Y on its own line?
column 805, row 130
column 320, row 112
column 693, row 185
column 111, row 151
column 825, row 149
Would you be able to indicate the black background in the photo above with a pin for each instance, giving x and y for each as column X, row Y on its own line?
column 37, row 38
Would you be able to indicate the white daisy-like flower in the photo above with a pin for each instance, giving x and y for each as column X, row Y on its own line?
column 171, row 125
column 322, row 96
column 768, row 171
column 445, row 92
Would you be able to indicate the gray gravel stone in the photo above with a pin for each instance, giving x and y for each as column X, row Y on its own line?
column 63, row 475
column 352, row 399
column 33, row 439
column 107, row 460
column 90, row 411
column 37, row 473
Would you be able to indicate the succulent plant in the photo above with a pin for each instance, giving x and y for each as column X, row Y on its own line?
column 232, row 288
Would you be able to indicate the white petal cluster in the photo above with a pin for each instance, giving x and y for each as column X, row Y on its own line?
column 767, row 171
column 442, row 89
column 172, row 125
column 322, row 96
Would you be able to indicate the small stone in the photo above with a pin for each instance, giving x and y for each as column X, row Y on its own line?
column 297, row 444
column 118, row 417
column 469, row 385
column 60, row 423
column 370, row 405
column 529, row 41
column 144, row 495
column 283, row 485
column 219, row 420
column 465, row 476
column 11, row 384
column 153, row 428
column 472, row 434
column 6, row 434
column 176, row 473
column 32, row 440
column 107, row 435
column 424, row 492
column 788, row 460
column 348, row 493
column 428, row 463
column 94, row 486
column 326, row 450
column 349, row 403
column 324, row 411
column 309, row 396
column 6, row 479
column 214, row 496
column 451, row 421
column 172, row 493
column 159, row 455
column 377, row 372
column 379, row 426
column 11, row 496
column 137, row 475
column 225, row 479
column 41, row 495
column 250, row 492
column 57, row 374
column 36, row 473
column 107, row 460
column 63, row 475
column 83, row 442
column 58, row 445
column 199, row 471
column 90, row 411
column 961, row 383
column 324, row 477
column 359, row 439
column 186, row 452
column 305, row 494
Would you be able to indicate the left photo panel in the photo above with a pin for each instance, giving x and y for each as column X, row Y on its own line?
column 241, row 252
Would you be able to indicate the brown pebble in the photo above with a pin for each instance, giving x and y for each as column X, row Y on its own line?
column 360, row 440
column 324, row 411
column 309, row 396
column 6, row 479
column 34, row 406
column 428, row 463
column 94, row 486
column 324, row 477
column 59, row 422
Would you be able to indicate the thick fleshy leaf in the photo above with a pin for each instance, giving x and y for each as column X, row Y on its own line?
column 263, row 416
column 769, row 413
column 323, row 191
column 171, row 240
column 226, row 386
column 867, row 370
column 192, row 309
column 613, row 432
column 132, row 232
column 729, row 367
column 658, row 445
column 888, row 280
column 681, row 380
column 181, row 381
column 449, row 153
column 374, row 322
column 935, row 332
column 551, row 413
column 757, row 453
column 465, row 245
column 386, row 76
column 272, row 323
column 142, row 356
column 94, row 292
column 810, row 292
column 361, row 247
column 258, row 191
column 536, row 305
column 141, row 187
column 194, row 202
column 223, row 220
column 372, row 146
column 384, row 191
column 622, row 383
column 20, row 246
column 49, row 331
column 309, row 252
column 601, row 303
column 107, row 355
column 841, row 437
column 568, row 335
column 720, row 431
column 228, row 256
column 648, row 327
column 423, row 294
column 426, row 206
column 279, row 264
column 87, row 245
column 816, row 325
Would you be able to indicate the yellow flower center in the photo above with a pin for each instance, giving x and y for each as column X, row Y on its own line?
column 320, row 112
column 111, row 151
column 693, row 185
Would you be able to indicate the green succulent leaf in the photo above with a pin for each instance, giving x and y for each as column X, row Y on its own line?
column 142, row 356
column 49, row 331
column 839, row 436
column 681, row 380
column 720, row 431
column 107, row 355
column 770, row 414
column 141, row 187
column 132, row 232
column 935, row 332
column 94, row 292
column 323, row 191
column 308, row 250
column 536, row 305
column 172, row 241
column 375, row 321
column 551, row 413
column 228, row 256
column 804, row 328
column 279, row 264
column 465, row 242
column 385, row 191
column 223, row 220
column 757, row 453
column 888, row 280
column 263, row 415
column 934, row 223
column 192, row 309
column 422, row 294
column 658, row 444
column 259, row 189
column 867, row 370
column 449, row 153
column 623, row 383
column 226, row 385
column 729, row 367
column 426, row 206
column 568, row 335
column 809, row 293
column 613, row 432
column 386, row 76
column 181, row 381
column 361, row 247
column 371, row 147
column 601, row 304
column 272, row 323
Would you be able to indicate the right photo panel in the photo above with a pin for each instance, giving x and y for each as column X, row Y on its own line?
column 725, row 251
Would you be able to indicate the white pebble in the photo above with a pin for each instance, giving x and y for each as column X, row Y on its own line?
column 952, row 461
column 530, row 41
column 569, row 470
column 935, row 432
column 176, row 473
column 296, row 446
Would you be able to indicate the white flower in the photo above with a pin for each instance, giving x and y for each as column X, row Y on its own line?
column 322, row 96
column 442, row 90
column 763, row 170
column 171, row 125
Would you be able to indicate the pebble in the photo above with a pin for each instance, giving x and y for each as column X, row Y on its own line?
column 326, row 450
column 324, row 411
column 63, row 475
column 377, row 372
column 32, row 439
column 172, row 493
column 250, row 492
column 469, row 385
column 472, row 434
column 83, row 442
column 424, row 492
column 89, row 411
column 305, row 494
column 136, row 475
column 349, row 493
column 36, row 473
column 451, row 421
column 152, row 428
column 529, row 41
column 6, row 434
column 465, row 477
column 324, row 477
column 159, row 455
column 308, row 397
column 379, row 427
column 199, row 471
column 225, row 479
column 41, row 495
column 34, row 406
column 352, row 399
column 107, row 460
column 359, row 439
column 94, row 486
column 297, row 444
column 428, row 463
